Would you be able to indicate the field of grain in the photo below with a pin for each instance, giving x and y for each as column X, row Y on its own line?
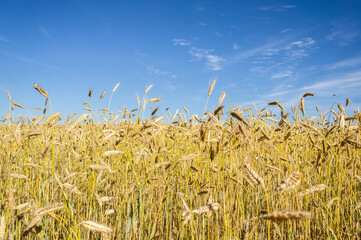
column 232, row 173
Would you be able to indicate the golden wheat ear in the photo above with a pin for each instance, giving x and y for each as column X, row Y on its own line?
column 290, row 182
column 250, row 174
column 95, row 227
column 285, row 215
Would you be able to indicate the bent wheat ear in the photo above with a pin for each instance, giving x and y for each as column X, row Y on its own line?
column 278, row 104
column 40, row 90
column 302, row 106
column 285, row 215
column 239, row 117
column 207, row 208
column 33, row 223
column 19, row 176
column 48, row 209
column 218, row 110
column 96, row 227
column 18, row 105
column 154, row 100
column 251, row 174
column 116, row 86
column 290, row 182
column 147, row 90
column 308, row 94
column 313, row 189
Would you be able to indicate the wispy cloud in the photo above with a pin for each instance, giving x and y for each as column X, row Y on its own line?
column 285, row 74
column 301, row 43
column 289, row 6
column 277, row 8
column 213, row 61
column 153, row 70
column 170, row 86
column 343, row 32
column 181, row 42
column 259, row 50
column 276, row 59
column 347, row 63
column 286, row 30
column 218, row 34
column 3, row 39
column 46, row 32
column 235, row 47
column 271, row 52
column 344, row 38
column 298, row 49
column 348, row 80
column 29, row 60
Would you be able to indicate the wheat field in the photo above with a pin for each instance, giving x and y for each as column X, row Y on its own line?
column 231, row 173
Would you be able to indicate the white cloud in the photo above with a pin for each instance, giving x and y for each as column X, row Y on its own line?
column 235, row 47
column 297, row 53
column 213, row 62
column 202, row 24
column 285, row 74
column 286, row 30
column 181, row 42
column 307, row 42
column 298, row 49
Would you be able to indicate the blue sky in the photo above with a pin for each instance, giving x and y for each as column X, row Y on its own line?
column 260, row 51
